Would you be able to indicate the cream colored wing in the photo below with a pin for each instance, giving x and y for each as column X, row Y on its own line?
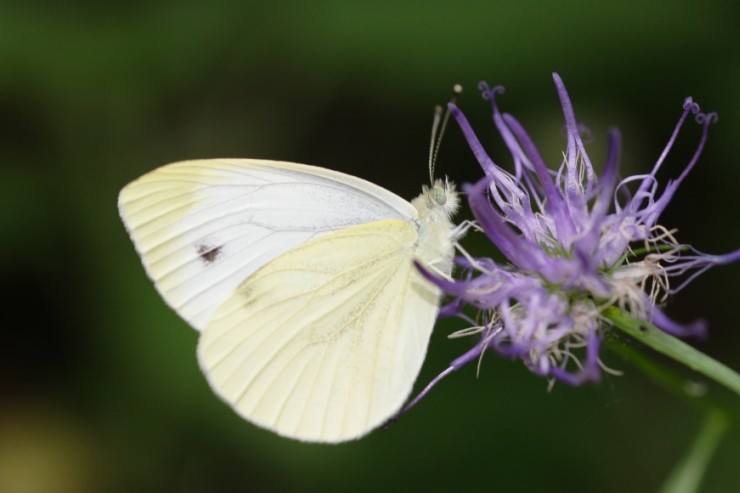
column 324, row 343
column 202, row 227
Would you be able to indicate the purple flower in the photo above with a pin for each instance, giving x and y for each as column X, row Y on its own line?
column 576, row 244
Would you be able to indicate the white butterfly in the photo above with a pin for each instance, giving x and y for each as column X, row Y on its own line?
column 314, row 320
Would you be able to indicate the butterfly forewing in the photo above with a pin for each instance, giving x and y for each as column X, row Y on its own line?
column 202, row 227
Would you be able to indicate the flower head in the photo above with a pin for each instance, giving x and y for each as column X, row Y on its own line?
column 575, row 243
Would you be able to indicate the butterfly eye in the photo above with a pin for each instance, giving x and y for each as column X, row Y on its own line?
column 438, row 195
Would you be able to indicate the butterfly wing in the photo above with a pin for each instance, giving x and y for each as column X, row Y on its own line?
column 324, row 343
column 202, row 227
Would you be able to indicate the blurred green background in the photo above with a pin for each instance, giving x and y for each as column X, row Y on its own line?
column 99, row 385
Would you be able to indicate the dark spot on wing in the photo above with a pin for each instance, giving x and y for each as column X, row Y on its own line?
column 208, row 254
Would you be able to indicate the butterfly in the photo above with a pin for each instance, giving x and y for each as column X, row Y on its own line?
column 313, row 319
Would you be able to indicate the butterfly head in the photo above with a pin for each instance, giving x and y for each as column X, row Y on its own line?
column 441, row 195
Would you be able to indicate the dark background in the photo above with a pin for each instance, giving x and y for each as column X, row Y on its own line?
column 99, row 385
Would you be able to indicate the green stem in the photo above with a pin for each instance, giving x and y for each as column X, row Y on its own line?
column 688, row 473
column 672, row 347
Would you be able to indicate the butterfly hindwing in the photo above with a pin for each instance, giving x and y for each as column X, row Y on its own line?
column 324, row 342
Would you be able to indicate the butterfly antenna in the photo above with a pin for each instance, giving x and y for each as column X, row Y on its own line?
column 432, row 151
column 439, row 125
